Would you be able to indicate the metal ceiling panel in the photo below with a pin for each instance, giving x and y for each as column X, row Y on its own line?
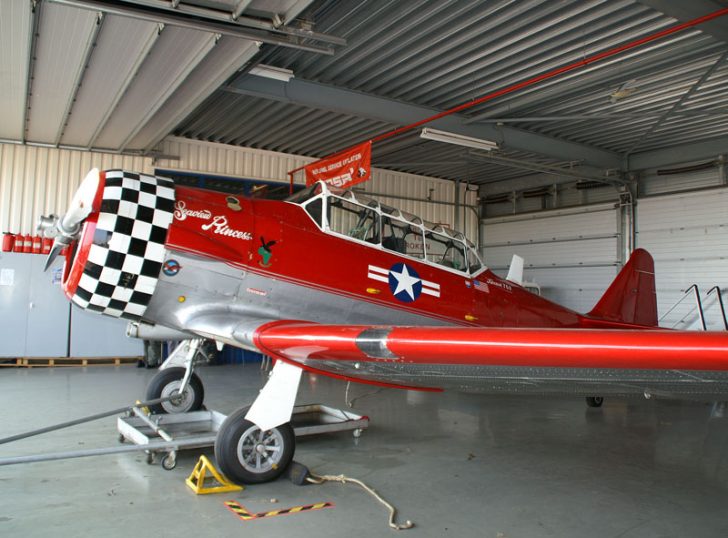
column 15, row 29
column 64, row 39
column 176, row 53
column 418, row 55
column 441, row 53
column 229, row 55
column 121, row 48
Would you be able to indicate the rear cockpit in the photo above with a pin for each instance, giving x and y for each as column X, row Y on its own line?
column 360, row 218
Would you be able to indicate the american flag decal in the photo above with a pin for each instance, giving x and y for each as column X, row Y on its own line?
column 482, row 286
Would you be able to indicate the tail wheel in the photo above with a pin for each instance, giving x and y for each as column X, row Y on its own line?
column 594, row 401
column 248, row 455
column 166, row 383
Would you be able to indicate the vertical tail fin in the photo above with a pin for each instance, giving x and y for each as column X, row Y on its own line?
column 631, row 297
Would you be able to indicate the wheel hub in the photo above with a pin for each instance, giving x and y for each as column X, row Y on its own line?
column 180, row 402
column 260, row 451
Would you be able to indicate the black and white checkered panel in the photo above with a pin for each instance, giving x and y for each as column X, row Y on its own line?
column 126, row 257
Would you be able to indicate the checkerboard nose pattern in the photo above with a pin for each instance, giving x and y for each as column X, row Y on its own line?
column 127, row 249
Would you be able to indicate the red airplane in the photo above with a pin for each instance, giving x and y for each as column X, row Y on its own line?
column 335, row 283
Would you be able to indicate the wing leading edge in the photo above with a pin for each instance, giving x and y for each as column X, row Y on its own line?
column 509, row 360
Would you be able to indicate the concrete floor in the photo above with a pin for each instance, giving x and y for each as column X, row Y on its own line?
column 457, row 465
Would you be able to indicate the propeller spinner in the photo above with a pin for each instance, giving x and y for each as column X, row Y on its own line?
column 66, row 228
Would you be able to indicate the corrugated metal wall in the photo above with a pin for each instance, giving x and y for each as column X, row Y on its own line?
column 431, row 199
column 571, row 253
column 36, row 181
column 687, row 234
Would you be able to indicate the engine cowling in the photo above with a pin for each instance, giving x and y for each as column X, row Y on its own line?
column 113, row 268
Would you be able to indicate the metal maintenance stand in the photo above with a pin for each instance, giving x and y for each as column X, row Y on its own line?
column 198, row 429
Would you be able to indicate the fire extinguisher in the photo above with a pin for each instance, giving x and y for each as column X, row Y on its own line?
column 8, row 242
column 47, row 244
column 27, row 244
column 37, row 244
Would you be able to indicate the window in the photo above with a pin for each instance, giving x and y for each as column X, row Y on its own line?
column 305, row 194
column 445, row 251
column 314, row 208
column 402, row 237
column 353, row 220
column 474, row 263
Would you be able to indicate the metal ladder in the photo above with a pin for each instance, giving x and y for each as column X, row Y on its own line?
column 694, row 291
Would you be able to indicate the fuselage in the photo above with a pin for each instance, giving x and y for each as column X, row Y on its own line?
column 273, row 258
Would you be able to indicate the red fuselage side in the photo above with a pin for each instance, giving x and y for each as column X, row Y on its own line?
column 280, row 240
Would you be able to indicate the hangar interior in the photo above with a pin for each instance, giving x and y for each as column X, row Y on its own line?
column 572, row 172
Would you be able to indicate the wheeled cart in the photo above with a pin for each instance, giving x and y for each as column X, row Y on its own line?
column 198, row 429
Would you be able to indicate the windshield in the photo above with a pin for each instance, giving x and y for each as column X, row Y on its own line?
column 305, row 194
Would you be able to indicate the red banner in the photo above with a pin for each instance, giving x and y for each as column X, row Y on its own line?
column 343, row 169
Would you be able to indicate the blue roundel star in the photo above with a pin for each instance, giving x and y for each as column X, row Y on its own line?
column 404, row 282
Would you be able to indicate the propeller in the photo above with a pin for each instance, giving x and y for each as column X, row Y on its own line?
column 65, row 229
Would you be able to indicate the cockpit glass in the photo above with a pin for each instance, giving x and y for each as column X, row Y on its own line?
column 305, row 194
column 357, row 216
column 445, row 251
column 353, row 220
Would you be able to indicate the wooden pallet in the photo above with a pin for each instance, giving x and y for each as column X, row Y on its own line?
column 30, row 362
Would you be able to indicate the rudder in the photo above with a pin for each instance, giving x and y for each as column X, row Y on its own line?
column 631, row 297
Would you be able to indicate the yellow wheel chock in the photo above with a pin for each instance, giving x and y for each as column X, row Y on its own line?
column 196, row 481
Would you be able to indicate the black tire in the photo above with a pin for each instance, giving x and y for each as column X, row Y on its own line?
column 166, row 382
column 236, row 444
column 594, row 401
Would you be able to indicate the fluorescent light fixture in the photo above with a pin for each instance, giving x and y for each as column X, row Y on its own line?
column 457, row 139
column 276, row 73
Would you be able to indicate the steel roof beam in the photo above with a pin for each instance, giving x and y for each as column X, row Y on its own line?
column 152, row 38
column 685, row 97
column 241, row 6
column 694, row 112
column 174, row 18
column 32, row 44
column 90, row 45
column 201, row 83
column 684, row 11
column 244, row 22
column 592, row 175
column 678, row 154
column 661, row 56
column 171, row 86
column 333, row 99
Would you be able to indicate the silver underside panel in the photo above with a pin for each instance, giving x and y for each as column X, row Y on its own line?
column 218, row 301
column 532, row 380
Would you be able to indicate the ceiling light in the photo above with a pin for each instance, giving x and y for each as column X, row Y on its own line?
column 457, row 139
column 276, row 73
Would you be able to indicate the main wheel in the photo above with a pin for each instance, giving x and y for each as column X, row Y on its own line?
column 594, row 401
column 247, row 455
column 166, row 383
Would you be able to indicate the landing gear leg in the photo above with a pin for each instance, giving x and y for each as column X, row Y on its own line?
column 176, row 378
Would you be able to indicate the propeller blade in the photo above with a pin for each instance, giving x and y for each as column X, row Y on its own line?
column 82, row 202
column 53, row 254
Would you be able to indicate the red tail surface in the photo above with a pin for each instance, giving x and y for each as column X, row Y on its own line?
column 631, row 297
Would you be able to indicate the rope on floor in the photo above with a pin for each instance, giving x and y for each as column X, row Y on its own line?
column 316, row 479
